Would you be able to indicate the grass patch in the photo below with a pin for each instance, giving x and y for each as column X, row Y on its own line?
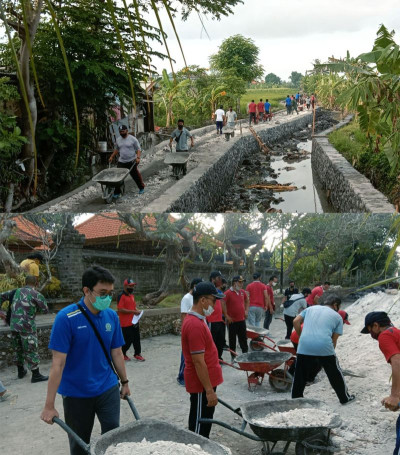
column 274, row 95
column 171, row 301
column 353, row 144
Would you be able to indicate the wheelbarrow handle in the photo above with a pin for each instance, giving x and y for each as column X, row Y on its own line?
column 229, row 427
column 71, row 432
column 236, row 411
column 222, row 362
column 132, row 406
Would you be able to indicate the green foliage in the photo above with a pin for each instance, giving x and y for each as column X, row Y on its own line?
column 370, row 86
column 7, row 284
column 52, row 289
column 239, row 56
column 353, row 144
column 272, row 80
column 295, row 79
column 11, row 140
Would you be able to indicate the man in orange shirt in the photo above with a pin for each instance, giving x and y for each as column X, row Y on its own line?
column 126, row 311
column 261, row 110
column 252, row 112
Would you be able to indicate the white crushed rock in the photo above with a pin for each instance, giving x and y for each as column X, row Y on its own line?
column 155, row 448
column 301, row 417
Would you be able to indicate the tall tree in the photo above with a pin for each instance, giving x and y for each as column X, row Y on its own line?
column 272, row 79
column 295, row 79
column 239, row 56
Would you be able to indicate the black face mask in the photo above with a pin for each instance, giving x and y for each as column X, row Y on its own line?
column 129, row 290
column 180, row 127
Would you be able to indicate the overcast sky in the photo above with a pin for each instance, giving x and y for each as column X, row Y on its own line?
column 290, row 33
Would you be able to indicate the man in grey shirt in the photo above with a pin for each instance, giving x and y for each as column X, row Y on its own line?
column 128, row 149
column 181, row 136
column 289, row 313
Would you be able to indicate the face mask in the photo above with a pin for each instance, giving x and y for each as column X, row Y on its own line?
column 102, row 302
column 274, row 284
column 129, row 290
column 209, row 311
column 180, row 127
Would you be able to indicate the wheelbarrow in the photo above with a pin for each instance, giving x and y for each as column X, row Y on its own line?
column 151, row 429
column 258, row 364
column 307, row 439
column 110, row 179
column 258, row 336
column 229, row 132
column 178, row 161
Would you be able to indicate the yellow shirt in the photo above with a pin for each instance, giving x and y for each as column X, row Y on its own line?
column 30, row 267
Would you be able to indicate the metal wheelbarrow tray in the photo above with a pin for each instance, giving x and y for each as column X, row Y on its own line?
column 111, row 178
column 178, row 161
column 151, row 429
column 308, row 440
column 258, row 335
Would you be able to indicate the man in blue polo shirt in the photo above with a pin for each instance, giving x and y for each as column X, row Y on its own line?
column 267, row 108
column 80, row 370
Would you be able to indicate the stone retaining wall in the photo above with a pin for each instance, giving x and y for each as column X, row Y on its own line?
column 201, row 190
column 153, row 322
column 347, row 189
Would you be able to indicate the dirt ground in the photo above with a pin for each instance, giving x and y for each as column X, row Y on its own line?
column 367, row 428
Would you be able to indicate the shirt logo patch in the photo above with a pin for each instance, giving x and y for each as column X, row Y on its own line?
column 108, row 327
column 82, row 327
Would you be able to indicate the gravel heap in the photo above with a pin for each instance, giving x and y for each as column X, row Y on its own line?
column 155, row 448
column 302, row 417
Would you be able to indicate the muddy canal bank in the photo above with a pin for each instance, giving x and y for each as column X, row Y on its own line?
column 288, row 165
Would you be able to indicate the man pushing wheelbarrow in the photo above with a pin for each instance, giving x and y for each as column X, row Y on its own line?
column 128, row 149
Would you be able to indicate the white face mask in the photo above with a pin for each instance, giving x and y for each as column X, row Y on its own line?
column 274, row 284
column 209, row 311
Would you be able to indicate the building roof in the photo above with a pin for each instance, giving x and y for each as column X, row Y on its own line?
column 28, row 232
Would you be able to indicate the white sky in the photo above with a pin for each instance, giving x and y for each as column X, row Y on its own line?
column 290, row 33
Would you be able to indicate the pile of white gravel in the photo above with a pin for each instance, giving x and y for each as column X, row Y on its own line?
column 301, row 417
column 155, row 448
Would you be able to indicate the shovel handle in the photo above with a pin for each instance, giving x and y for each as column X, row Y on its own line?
column 71, row 432
column 133, row 407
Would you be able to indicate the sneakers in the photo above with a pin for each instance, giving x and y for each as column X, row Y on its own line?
column 351, row 398
column 116, row 196
column 126, row 358
column 6, row 396
column 141, row 191
column 180, row 382
column 139, row 358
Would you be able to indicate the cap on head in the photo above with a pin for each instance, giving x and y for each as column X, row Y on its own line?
column 215, row 274
column 129, row 283
column 238, row 278
column 256, row 275
column 123, row 128
column 195, row 281
column 206, row 288
column 375, row 316
column 345, row 317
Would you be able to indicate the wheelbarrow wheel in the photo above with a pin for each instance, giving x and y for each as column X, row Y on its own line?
column 279, row 381
column 177, row 171
column 254, row 344
column 108, row 194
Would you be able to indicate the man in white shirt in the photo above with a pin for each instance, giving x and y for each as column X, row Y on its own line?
column 231, row 118
column 186, row 305
column 292, row 307
column 219, row 119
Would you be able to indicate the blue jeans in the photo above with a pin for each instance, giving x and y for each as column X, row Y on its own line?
column 267, row 320
column 181, row 368
column 397, row 449
column 79, row 414
column 2, row 388
column 219, row 126
column 255, row 316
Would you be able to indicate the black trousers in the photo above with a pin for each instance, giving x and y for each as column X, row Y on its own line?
column 289, row 325
column 135, row 174
column 79, row 414
column 131, row 336
column 218, row 333
column 308, row 366
column 199, row 409
column 238, row 329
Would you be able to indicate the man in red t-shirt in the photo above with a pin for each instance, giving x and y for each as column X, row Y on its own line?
column 258, row 297
column 252, row 111
column 261, row 110
column 270, row 308
column 316, row 293
column 126, row 310
column 215, row 321
column 235, row 307
column 203, row 372
column 379, row 326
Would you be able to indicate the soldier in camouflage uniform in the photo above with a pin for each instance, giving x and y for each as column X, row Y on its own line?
column 25, row 304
